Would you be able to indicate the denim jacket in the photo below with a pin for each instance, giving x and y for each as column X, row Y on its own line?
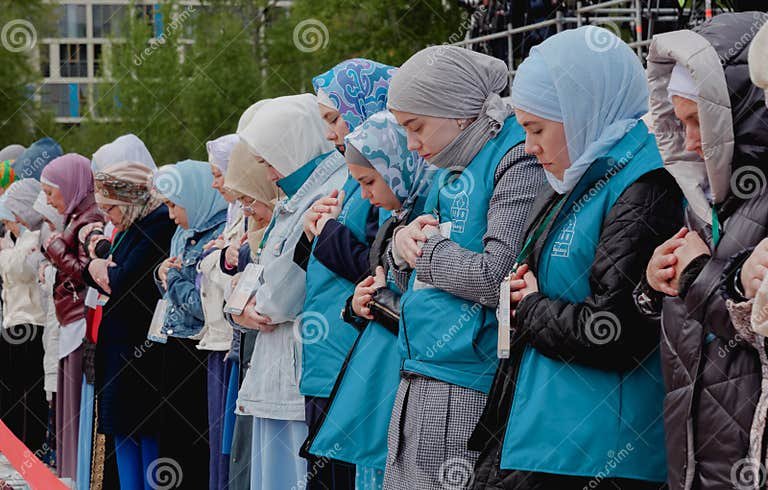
column 184, row 317
column 270, row 387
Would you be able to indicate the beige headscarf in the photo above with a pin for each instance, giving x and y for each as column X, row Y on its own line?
column 246, row 176
column 127, row 185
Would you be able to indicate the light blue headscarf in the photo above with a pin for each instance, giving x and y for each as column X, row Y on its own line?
column 383, row 143
column 592, row 82
column 357, row 88
column 188, row 184
column 5, row 213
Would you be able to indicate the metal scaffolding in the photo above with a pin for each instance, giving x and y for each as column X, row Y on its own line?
column 635, row 21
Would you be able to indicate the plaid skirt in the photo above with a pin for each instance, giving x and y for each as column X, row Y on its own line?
column 427, row 440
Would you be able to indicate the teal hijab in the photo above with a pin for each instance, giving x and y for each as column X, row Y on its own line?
column 383, row 143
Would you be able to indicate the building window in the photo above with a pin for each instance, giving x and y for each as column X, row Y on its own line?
column 72, row 21
column 74, row 61
column 108, row 20
column 97, row 65
column 146, row 13
column 45, row 59
column 68, row 99
column 57, row 96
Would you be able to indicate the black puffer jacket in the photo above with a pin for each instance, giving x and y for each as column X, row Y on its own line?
column 711, row 377
column 646, row 213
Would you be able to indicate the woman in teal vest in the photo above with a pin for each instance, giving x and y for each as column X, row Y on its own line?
column 578, row 402
column 341, row 226
column 355, row 426
column 450, row 262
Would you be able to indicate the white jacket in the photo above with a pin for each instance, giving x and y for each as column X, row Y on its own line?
column 21, row 296
column 51, row 332
column 270, row 387
column 217, row 332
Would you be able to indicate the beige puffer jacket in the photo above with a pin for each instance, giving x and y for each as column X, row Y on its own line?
column 21, row 296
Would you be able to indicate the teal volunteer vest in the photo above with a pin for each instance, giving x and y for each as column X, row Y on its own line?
column 570, row 419
column 441, row 335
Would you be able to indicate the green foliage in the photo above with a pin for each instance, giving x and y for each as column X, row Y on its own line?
column 215, row 60
column 21, row 117
column 335, row 30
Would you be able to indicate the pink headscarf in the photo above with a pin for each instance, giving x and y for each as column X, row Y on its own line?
column 71, row 174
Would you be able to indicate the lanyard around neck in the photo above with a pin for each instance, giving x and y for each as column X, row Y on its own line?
column 525, row 252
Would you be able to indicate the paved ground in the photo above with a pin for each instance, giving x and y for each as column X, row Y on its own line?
column 10, row 475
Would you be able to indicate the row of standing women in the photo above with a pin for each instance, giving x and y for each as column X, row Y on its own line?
column 404, row 281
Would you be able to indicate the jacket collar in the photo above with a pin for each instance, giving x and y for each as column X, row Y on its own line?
column 292, row 183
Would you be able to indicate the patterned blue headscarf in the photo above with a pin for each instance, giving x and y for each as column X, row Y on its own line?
column 357, row 88
column 382, row 141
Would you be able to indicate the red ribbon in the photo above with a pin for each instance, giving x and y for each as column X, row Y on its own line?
column 34, row 471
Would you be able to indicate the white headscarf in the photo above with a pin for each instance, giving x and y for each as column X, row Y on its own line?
column 287, row 131
column 48, row 212
column 681, row 83
column 220, row 149
column 11, row 152
column 126, row 148
column 21, row 199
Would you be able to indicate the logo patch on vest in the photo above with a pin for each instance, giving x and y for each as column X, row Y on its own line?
column 459, row 212
column 562, row 245
column 342, row 218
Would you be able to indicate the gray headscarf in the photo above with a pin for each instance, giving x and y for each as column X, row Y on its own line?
column 456, row 83
column 11, row 152
column 22, row 195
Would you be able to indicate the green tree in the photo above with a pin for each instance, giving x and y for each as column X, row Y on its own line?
column 21, row 117
column 318, row 35
column 213, row 61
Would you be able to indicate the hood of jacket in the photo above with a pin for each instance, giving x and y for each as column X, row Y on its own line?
column 732, row 111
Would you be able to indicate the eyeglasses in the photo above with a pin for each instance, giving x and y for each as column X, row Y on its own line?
column 247, row 206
